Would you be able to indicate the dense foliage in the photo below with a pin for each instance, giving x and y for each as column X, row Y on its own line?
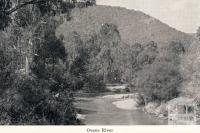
column 190, row 69
column 24, row 9
column 159, row 81
column 36, row 85
column 34, row 102
column 44, row 95
column 7, row 69
column 140, row 64
column 4, row 18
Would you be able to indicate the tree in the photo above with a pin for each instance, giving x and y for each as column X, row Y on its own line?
column 84, row 3
column 176, row 48
column 189, row 67
column 73, row 44
column 7, row 69
column 80, row 54
column 34, row 102
column 105, row 53
column 5, row 19
column 148, row 55
column 135, row 50
column 44, row 96
column 8, row 7
column 79, row 70
column 48, row 49
column 159, row 81
column 10, row 57
column 24, row 17
column 49, row 7
column 174, row 52
column 198, row 33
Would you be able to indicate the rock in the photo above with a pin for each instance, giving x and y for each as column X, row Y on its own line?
column 151, row 107
column 139, row 99
column 80, row 116
column 161, row 110
column 57, row 95
column 156, row 109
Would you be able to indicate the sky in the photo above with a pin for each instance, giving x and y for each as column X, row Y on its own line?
column 184, row 15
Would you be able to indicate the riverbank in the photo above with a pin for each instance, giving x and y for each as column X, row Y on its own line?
column 124, row 101
column 158, row 110
column 130, row 102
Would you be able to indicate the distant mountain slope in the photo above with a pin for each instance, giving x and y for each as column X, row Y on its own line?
column 134, row 26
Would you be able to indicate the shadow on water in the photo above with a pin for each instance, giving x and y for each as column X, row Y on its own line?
column 84, row 111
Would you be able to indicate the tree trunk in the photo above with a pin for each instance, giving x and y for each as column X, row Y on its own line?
column 53, row 67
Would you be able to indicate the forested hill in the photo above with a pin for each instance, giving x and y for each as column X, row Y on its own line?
column 134, row 26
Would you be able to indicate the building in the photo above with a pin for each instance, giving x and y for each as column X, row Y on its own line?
column 183, row 111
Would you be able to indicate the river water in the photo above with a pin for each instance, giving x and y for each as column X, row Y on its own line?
column 99, row 110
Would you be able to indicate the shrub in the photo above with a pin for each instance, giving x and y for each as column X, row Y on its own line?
column 24, row 17
column 7, row 69
column 32, row 102
column 148, row 55
column 94, row 83
column 159, row 81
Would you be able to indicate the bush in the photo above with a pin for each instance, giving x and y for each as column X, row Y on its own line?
column 148, row 55
column 7, row 69
column 24, row 17
column 94, row 84
column 5, row 19
column 176, row 48
column 32, row 102
column 159, row 81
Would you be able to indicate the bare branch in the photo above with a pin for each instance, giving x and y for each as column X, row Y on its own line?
column 25, row 4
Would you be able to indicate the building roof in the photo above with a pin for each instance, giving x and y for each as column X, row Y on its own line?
column 182, row 101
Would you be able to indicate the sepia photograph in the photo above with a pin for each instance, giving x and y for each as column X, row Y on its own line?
column 99, row 62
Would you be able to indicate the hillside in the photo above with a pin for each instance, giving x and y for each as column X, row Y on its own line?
column 134, row 26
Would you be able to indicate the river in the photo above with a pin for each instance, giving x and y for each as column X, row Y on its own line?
column 99, row 110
